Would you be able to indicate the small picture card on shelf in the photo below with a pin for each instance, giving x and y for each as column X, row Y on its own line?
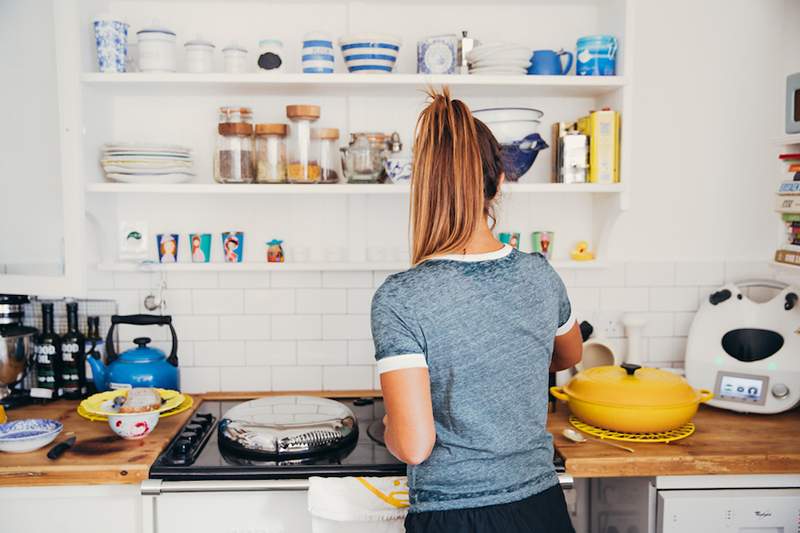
column 233, row 246
column 200, row 247
column 275, row 251
column 543, row 242
column 512, row 239
column 167, row 247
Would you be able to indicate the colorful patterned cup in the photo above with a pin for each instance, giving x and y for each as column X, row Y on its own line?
column 512, row 239
column 233, row 246
column 275, row 251
column 111, row 38
column 543, row 242
column 167, row 247
column 201, row 247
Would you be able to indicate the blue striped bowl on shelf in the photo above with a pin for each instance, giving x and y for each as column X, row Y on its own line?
column 318, row 55
column 370, row 53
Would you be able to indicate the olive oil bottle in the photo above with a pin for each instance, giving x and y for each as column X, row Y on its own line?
column 73, row 357
column 47, row 358
column 95, row 347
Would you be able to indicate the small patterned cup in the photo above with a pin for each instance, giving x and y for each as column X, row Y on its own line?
column 111, row 37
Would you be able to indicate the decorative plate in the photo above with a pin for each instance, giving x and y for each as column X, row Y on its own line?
column 187, row 404
column 102, row 402
column 29, row 428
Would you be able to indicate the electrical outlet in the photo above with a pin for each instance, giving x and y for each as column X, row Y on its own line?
column 611, row 329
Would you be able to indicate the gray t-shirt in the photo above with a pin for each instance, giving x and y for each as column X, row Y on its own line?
column 484, row 325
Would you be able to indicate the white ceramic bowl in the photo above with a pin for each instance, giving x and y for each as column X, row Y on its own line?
column 370, row 53
column 509, row 124
column 133, row 426
column 21, row 436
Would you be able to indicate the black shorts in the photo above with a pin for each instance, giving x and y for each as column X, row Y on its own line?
column 545, row 512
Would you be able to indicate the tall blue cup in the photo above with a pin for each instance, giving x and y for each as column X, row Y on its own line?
column 596, row 55
column 548, row 63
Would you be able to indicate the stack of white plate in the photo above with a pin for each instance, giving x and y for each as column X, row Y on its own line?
column 147, row 163
column 499, row 59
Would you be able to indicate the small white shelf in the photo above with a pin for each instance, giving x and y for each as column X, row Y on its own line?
column 341, row 188
column 300, row 267
column 785, row 266
column 342, row 84
column 786, row 140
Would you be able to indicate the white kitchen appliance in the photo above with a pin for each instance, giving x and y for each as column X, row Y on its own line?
column 747, row 352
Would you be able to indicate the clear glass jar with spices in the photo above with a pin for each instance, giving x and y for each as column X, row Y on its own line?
column 233, row 159
column 270, row 153
column 302, row 167
column 329, row 161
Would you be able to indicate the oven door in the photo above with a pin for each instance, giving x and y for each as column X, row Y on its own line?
column 268, row 506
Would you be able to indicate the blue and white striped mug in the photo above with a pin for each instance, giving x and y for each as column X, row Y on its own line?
column 318, row 57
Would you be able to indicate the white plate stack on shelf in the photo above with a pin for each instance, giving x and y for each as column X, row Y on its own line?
column 146, row 163
column 499, row 59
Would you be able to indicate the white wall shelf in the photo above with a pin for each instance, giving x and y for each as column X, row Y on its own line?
column 342, row 84
column 342, row 188
column 786, row 140
column 299, row 267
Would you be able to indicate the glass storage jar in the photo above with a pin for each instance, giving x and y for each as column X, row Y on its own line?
column 270, row 153
column 235, row 114
column 363, row 159
column 233, row 159
column 328, row 158
column 302, row 167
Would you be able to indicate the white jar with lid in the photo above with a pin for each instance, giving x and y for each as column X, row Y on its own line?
column 156, row 49
column 270, row 55
column 235, row 58
column 199, row 55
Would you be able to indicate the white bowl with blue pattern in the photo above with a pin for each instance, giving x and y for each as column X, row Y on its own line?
column 370, row 53
column 21, row 436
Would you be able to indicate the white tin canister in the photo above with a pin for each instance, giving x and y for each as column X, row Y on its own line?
column 199, row 55
column 156, row 50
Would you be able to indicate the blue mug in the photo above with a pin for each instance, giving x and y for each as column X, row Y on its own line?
column 548, row 63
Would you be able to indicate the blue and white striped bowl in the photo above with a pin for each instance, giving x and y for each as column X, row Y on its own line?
column 30, row 434
column 318, row 55
column 370, row 53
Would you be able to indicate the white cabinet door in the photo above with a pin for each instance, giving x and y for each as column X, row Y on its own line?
column 41, row 195
column 71, row 509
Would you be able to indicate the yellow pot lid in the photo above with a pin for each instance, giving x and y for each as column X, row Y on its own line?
column 631, row 386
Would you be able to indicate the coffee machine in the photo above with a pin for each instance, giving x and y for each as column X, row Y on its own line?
column 16, row 347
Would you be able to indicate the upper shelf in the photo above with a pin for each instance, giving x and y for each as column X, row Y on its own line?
column 183, row 83
column 341, row 188
column 788, row 139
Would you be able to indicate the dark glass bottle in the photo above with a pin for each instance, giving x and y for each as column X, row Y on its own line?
column 47, row 357
column 95, row 347
column 73, row 353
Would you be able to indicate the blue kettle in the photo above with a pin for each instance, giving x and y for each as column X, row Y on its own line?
column 142, row 366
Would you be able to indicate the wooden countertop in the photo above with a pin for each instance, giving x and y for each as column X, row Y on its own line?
column 98, row 457
column 724, row 443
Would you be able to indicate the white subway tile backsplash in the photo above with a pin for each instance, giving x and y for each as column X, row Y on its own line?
column 244, row 327
column 347, row 377
column 251, row 378
column 196, row 379
column 613, row 276
column 683, row 321
column 126, row 333
column 269, row 301
column 627, row 299
column 673, row 299
column 244, row 280
column 219, row 353
column 272, row 353
column 659, row 324
column 666, row 349
column 321, row 352
column 296, row 378
column 218, row 301
column 346, row 327
column 192, row 280
column 299, row 327
column 321, row 301
column 128, row 302
column 342, row 280
column 359, row 301
column 296, row 279
column 379, row 276
column 360, row 352
column 650, row 274
column 176, row 301
column 196, row 327
column 185, row 350
column 699, row 273
column 585, row 299
column 133, row 280
column 744, row 270
column 99, row 280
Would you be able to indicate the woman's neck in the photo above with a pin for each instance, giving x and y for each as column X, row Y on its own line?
column 482, row 241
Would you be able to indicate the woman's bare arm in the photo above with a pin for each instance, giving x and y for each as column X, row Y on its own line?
column 410, row 433
column 567, row 349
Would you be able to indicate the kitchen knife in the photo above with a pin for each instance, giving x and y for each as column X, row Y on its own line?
column 58, row 450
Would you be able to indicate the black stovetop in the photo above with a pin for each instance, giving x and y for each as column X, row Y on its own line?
column 195, row 453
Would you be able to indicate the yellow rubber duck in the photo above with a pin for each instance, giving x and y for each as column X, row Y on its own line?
column 581, row 252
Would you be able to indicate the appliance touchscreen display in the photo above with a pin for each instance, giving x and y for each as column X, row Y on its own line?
column 745, row 389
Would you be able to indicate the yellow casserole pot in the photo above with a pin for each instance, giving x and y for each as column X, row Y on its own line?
column 631, row 399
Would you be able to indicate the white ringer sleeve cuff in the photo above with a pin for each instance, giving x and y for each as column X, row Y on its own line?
column 566, row 326
column 400, row 362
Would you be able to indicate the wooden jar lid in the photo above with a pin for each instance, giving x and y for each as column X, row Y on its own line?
column 235, row 128
column 325, row 133
column 310, row 112
column 271, row 129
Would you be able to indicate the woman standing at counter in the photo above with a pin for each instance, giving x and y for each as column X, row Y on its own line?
column 464, row 341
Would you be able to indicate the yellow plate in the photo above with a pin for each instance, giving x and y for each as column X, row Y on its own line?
column 97, row 404
column 187, row 404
